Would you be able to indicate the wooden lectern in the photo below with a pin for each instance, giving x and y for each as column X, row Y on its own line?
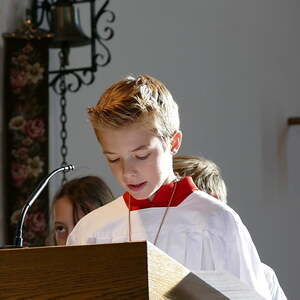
column 136, row 270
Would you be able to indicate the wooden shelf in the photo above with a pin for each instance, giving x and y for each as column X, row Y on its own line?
column 293, row 121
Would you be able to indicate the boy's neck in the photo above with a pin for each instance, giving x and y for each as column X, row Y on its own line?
column 169, row 180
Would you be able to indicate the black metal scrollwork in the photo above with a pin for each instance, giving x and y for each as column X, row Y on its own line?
column 74, row 80
column 100, row 34
column 106, row 34
column 71, row 80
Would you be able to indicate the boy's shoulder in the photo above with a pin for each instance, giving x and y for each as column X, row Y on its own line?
column 96, row 219
column 214, row 214
column 207, row 204
column 114, row 209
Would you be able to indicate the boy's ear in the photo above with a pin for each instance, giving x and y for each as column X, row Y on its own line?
column 176, row 142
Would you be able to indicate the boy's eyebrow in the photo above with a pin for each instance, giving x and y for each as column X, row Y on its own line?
column 136, row 149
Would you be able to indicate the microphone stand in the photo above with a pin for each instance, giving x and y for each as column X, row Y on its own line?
column 30, row 201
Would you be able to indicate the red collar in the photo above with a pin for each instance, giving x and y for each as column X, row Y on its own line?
column 161, row 199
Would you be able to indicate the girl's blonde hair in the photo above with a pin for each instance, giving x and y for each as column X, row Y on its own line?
column 143, row 99
column 205, row 173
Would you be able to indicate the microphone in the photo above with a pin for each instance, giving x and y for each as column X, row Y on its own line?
column 30, row 201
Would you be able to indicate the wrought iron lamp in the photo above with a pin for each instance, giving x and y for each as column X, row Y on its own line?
column 61, row 18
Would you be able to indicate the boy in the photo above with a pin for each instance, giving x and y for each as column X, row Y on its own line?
column 136, row 122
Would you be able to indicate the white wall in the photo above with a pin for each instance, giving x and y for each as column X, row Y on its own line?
column 233, row 67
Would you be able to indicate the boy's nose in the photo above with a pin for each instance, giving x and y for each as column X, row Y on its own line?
column 129, row 170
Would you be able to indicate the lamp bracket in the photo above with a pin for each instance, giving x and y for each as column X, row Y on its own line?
column 100, row 53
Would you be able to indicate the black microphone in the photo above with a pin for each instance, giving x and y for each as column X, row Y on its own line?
column 30, row 201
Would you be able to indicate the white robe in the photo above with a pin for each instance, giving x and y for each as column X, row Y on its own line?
column 201, row 233
column 274, row 286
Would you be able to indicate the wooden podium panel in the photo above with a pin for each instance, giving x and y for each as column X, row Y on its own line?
column 136, row 270
column 110, row 271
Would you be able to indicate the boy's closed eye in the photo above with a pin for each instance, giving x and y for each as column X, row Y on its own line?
column 112, row 160
column 140, row 157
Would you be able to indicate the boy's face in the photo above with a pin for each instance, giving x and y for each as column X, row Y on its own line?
column 138, row 159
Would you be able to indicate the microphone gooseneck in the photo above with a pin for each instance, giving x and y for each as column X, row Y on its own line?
column 30, row 201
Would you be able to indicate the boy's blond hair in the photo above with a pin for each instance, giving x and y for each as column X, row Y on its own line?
column 131, row 100
column 205, row 173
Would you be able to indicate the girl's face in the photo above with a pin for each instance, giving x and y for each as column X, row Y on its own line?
column 63, row 213
column 138, row 159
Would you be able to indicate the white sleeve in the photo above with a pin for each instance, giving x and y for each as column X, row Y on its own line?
column 72, row 239
column 239, row 256
column 79, row 235
column 274, row 286
column 76, row 238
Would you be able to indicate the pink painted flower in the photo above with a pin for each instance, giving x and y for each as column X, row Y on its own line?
column 19, row 173
column 20, row 60
column 36, row 222
column 35, row 128
column 18, row 79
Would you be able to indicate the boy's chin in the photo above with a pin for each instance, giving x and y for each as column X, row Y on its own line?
column 141, row 196
column 138, row 196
